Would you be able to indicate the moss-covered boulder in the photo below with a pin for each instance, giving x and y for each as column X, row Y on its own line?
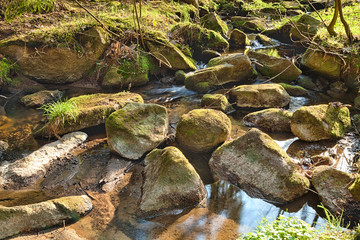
column 332, row 186
column 225, row 69
column 28, row 218
column 319, row 122
column 202, row 130
column 306, row 26
column 294, row 90
column 256, row 164
column 238, row 39
column 213, row 21
column 269, row 120
column 115, row 79
column 260, row 96
column 59, row 65
column 249, row 24
column 40, row 98
column 90, row 110
column 136, row 129
column 199, row 38
column 169, row 55
column 215, row 101
column 180, row 77
column 324, row 64
column 278, row 69
column 171, row 183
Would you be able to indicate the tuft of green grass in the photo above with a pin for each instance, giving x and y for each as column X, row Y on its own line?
column 59, row 111
column 18, row 7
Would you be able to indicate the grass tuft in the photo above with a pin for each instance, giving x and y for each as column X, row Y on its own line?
column 59, row 111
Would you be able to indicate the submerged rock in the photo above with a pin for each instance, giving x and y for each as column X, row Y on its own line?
column 170, row 55
column 238, row 39
column 213, row 21
column 171, row 183
column 256, row 164
column 59, row 65
column 260, row 96
column 26, row 171
column 201, row 130
column 40, row 98
column 270, row 120
column 91, row 109
column 225, row 69
column 136, row 129
column 215, row 101
column 278, row 69
column 332, row 186
column 324, row 64
column 319, row 122
column 26, row 218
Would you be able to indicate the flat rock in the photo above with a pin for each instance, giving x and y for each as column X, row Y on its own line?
column 256, row 164
column 40, row 98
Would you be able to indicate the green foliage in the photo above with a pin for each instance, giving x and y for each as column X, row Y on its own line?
column 130, row 67
column 18, row 7
column 60, row 110
column 6, row 67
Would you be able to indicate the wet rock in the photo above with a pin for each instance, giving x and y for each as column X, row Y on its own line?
column 215, row 101
column 324, row 64
column 252, row 24
column 198, row 38
column 265, row 40
column 238, row 39
column 171, row 183
column 136, row 129
column 170, row 55
column 92, row 110
column 20, row 219
column 115, row 79
column 229, row 68
column 26, row 171
column 306, row 82
column 113, row 173
column 180, row 77
column 40, row 98
column 212, row 21
column 59, row 65
column 332, row 187
column 337, row 89
column 201, row 130
column 256, row 164
column 293, row 90
column 319, row 122
column 270, row 120
column 260, row 96
column 278, row 69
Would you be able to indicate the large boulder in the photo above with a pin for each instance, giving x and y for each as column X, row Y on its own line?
column 332, row 186
column 249, row 24
column 256, row 164
column 27, row 218
column 260, row 96
column 88, row 111
column 202, row 130
column 59, row 65
column 324, row 64
column 40, row 98
column 169, row 55
column 199, row 38
column 319, row 122
column 213, row 21
column 278, row 69
column 270, row 120
column 136, row 129
column 238, row 39
column 30, row 169
column 225, row 69
column 171, row 182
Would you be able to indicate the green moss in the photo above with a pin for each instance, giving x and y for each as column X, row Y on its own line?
column 338, row 119
column 5, row 213
column 18, row 7
column 294, row 90
column 7, row 67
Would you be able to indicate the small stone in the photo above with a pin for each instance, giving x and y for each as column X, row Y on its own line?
column 238, row 39
column 40, row 98
column 180, row 77
column 215, row 101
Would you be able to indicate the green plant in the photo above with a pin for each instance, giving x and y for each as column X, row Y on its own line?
column 18, row 7
column 6, row 67
column 129, row 67
column 58, row 112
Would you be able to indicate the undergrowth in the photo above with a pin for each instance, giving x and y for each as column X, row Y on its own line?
column 18, row 7
column 6, row 68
